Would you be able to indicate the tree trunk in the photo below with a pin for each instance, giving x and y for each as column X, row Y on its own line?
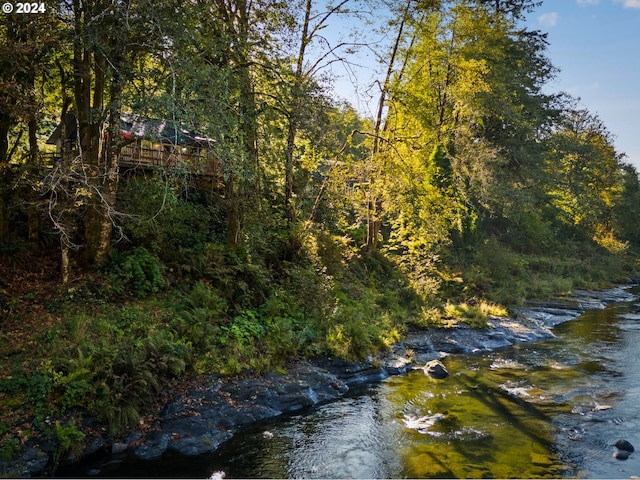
column 111, row 167
column 374, row 204
column 65, row 265
column 33, row 220
column 293, row 116
column 5, row 125
column 234, row 214
column 4, row 213
column 241, row 184
column 91, row 142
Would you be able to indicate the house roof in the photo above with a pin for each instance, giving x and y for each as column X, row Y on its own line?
column 166, row 131
column 154, row 129
column 71, row 124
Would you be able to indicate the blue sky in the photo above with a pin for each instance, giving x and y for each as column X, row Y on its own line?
column 596, row 46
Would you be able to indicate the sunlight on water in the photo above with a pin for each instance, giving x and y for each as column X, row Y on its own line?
column 551, row 409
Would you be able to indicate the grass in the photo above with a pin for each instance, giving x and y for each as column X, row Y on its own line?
column 474, row 313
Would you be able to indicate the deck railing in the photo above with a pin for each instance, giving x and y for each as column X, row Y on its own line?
column 135, row 156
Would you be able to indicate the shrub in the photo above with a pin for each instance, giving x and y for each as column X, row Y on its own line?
column 137, row 272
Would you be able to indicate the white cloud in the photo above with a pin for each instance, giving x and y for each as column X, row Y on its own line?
column 588, row 2
column 629, row 3
column 551, row 19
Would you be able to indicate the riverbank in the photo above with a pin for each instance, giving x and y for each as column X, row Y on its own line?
column 199, row 419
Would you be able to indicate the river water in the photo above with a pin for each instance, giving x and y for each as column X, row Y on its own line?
column 547, row 409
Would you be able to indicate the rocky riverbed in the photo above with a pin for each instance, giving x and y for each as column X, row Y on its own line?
column 198, row 421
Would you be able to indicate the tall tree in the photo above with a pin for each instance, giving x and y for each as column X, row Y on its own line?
column 26, row 46
column 587, row 176
column 303, row 79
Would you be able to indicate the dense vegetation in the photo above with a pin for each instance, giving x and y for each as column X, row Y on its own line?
column 329, row 234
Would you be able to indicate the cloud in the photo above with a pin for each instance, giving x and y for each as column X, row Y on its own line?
column 629, row 3
column 551, row 19
column 588, row 2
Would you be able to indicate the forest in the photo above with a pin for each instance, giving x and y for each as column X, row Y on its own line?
column 182, row 193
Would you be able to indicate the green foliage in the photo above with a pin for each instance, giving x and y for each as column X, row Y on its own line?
column 137, row 272
column 508, row 277
column 114, row 363
column 68, row 441
column 439, row 167
column 31, row 387
column 8, row 447
column 170, row 220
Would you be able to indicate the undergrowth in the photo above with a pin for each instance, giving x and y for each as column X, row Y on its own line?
column 180, row 303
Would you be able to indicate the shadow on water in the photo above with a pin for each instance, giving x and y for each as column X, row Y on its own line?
column 503, row 403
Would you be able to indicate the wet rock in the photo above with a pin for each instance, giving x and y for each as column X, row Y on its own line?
column 436, row 369
column 153, row 447
column 118, row 447
column 618, row 294
column 624, row 445
column 621, row 454
column 198, row 422
column 351, row 373
column 95, row 445
column 132, row 439
column 422, row 424
column 198, row 445
column 398, row 365
column 31, row 462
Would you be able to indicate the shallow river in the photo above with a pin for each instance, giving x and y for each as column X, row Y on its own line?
column 548, row 409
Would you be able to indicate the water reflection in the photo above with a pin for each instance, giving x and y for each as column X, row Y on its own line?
column 552, row 409
column 541, row 410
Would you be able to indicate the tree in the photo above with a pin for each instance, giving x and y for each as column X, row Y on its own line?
column 588, row 176
column 26, row 45
column 302, row 85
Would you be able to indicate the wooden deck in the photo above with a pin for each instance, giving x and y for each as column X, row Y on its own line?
column 134, row 156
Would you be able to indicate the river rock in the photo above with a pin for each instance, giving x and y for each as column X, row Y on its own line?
column 197, row 422
column 154, row 446
column 352, row 373
column 397, row 365
column 624, row 445
column 198, row 445
column 118, row 447
column 621, row 454
column 436, row 369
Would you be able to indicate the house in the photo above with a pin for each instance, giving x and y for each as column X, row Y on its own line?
column 150, row 144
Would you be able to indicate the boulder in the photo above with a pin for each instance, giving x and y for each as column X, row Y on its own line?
column 621, row 454
column 624, row 445
column 154, row 446
column 436, row 369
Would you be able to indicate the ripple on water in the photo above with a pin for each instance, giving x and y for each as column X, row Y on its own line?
column 553, row 408
column 506, row 364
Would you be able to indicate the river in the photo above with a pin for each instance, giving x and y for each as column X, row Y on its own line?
column 546, row 409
